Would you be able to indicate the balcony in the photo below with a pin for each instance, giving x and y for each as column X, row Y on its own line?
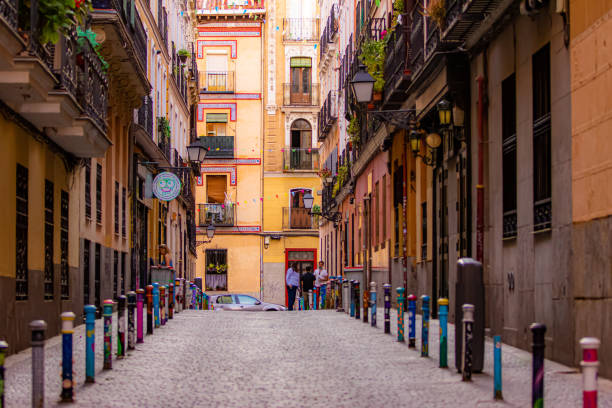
column 397, row 66
column 300, row 159
column 219, row 215
column 217, row 81
column 327, row 42
column 244, row 8
column 220, row 147
column 124, row 46
column 296, row 95
column 463, row 17
column 327, row 115
column 300, row 29
column 299, row 218
column 145, row 116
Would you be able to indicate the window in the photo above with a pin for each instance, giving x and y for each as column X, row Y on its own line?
column 299, row 216
column 64, row 269
column 115, row 273
column 116, row 208
column 88, row 189
column 300, row 155
column 99, row 193
column 509, row 156
column 247, row 300
column 48, row 275
column 216, row 76
column 216, row 124
column 86, row 270
column 216, row 188
column 225, row 299
column 21, row 241
column 98, row 272
column 216, row 269
column 123, row 211
column 424, row 231
column 541, row 140
column 301, row 82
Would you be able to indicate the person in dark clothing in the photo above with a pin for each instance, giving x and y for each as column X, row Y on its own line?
column 307, row 281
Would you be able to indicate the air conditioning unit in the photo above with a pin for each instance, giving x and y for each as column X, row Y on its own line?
column 531, row 7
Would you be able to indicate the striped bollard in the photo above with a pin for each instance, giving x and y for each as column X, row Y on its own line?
column 366, row 301
column 90, row 343
column 149, row 309
column 156, row 304
column 162, row 305
column 352, row 298
column 131, row 334
column 443, row 315
column 139, row 315
column 425, row 326
column 497, row 368
column 387, row 290
column 589, row 365
column 67, row 394
column 108, row 332
column 3, row 348
column 121, row 349
column 412, row 321
column 400, row 314
column 373, row 302
column 357, row 301
column 466, row 355
column 537, row 389
column 171, row 300
column 38, row 328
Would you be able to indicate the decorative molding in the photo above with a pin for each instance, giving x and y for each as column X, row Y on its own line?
column 204, row 106
column 240, row 229
column 233, row 162
column 237, row 96
column 271, row 53
column 217, row 169
column 217, row 43
column 229, row 31
column 310, row 117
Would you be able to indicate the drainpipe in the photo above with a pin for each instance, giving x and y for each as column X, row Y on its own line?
column 480, row 185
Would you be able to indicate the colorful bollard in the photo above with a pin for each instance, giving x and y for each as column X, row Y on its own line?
column 537, row 389
column 162, row 305
column 425, row 326
column 67, row 394
column 589, row 365
column 366, row 301
column 171, row 300
column 38, row 328
column 139, row 315
column 177, row 295
column 352, row 298
column 387, row 290
column 121, row 348
column 443, row 316
column 3, row 348
column 400, row 314
column 90, row 343
column 373, row 303
column 310, row 299
column 108, row 331
column 468, row 332
column 131, row 320
column 314, row 300
column 497, row 368
column 156, row 304
column 412, row 321
column 149, row 309
column 357, row 300
column 183, row 294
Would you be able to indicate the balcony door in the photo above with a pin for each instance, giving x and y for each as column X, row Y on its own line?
column 216, row 73
column 218, row 210
column 301, row 145
column 301, row 81
column 299, row 216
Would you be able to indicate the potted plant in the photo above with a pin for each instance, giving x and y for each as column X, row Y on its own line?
column 183, row 54
column 373, row 57
column 316, row 210
column 55, row 18
column 163, row 126
column 325, row 174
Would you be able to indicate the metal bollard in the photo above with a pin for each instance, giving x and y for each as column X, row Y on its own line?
column 90, row 343
column 497, row 368
column 352, row 298
column 108, row 332
column 162, row 305
column 425, row 326
column 443, row 316
column 366, row 301
column 357, row 300
column 373, row 303
column 387, row 289
column 139, row 315
column 131, row 320
column 412, row 321
column 156, row 304
column 149, row 309
column 589, row 365
column 537, row 389
column 466, row 355
column 3, row 348
column 400, row 314
column 345, row 296
column 38, row 328
column 121, row 351
column 177, row 295
column 171, row 300
column 67, row 394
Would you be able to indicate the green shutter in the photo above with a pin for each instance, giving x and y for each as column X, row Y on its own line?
column 301, row 62
column 216, row 118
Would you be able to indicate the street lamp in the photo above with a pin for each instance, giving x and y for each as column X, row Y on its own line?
column 444, row 112
column 196, row 153
column 308, row 201
column 210, row 233
column 362, row 85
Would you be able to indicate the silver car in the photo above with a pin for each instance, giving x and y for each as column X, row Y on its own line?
column 242, row 302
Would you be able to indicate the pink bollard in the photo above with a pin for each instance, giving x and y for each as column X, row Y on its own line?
column 589, row 366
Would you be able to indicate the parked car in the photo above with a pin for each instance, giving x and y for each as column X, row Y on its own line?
column 241, row 302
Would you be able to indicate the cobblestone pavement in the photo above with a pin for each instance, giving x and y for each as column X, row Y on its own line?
column 286, row 359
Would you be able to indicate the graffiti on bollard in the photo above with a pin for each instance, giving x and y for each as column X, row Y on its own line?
column 149, row 309
column 162, row 305
column 156, row 304
column 468, row 333
column 497, row 368
column 352, row 298
column 3, row 349
column 67, row 394
column 357, row 301
column 589, row 365
column 121, row 351
column 108, row 331
column 537, row 389
column 412, row 321
column 373, row 303
column 139, row 315
column 387, row 291
column 400, row 314
column 171, row 300
column 90, row 343
column 38, row 328
column 366, row 301
column 425, row 326
column 443, row 315
column 131, row 321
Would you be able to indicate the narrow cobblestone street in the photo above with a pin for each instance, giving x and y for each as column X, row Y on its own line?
column 317, row 359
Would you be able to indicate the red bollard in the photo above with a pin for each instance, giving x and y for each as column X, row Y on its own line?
column 589, row 366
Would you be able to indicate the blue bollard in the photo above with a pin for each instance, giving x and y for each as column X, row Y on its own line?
column 425, row 327
column 373, row 303
column 90, row 341
column 497, row 368
column 156, row 304
column 443, row 313
column 67, row 394
column 352, row 298
column 411, row 321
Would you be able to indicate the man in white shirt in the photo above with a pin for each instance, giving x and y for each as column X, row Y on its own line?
column 292, row 280
column 321, row 279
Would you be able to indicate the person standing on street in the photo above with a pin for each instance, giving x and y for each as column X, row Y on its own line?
column 321, row 277
column 308, row 280
column 292, row 279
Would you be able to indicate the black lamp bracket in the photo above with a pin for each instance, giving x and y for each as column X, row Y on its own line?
column 403, row 119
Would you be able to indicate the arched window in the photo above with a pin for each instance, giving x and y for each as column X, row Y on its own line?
column 301, row 145
column 299, row 216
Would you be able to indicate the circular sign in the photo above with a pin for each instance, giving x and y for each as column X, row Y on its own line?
column 166, row 186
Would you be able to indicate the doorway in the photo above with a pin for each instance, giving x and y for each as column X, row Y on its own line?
column 302, row 259
column 301, row 146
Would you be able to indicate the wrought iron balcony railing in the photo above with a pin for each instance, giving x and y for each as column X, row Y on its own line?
column 223, row 215
column 300, row 29
column 92, row 83
column 299, row 218
column 145, row 115
column 300, row 159
column 298, row 94
column 218, row 146
column 217, row 81
column 328, row 114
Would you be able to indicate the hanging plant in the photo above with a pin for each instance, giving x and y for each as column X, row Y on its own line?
column 55, row 17
column 335, row 189
column 163, row 126
column 324, row 173
column 373, row 57
column 436, row 10
column 353, row 127
column 90, row 36
column 316, row 210
column 183, row 54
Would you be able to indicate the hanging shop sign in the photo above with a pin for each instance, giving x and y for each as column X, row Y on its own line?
column 166, row 186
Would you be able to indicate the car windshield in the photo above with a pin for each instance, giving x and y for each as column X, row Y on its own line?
column 226, row 299
column 247, row 300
